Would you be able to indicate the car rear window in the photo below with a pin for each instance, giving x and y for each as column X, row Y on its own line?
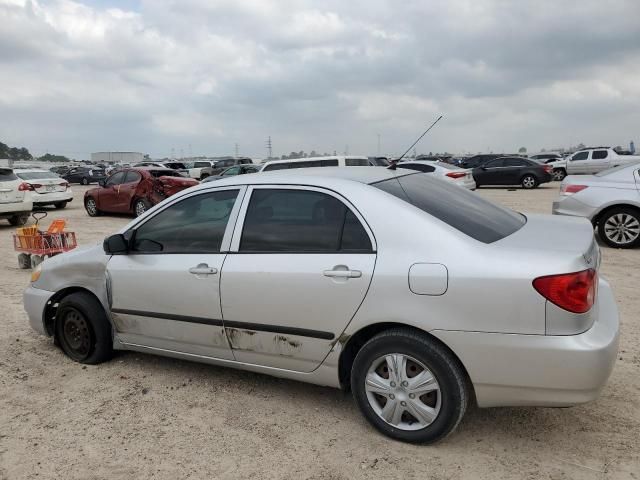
column 7, row 175
column 457, row 207
column 36, row 175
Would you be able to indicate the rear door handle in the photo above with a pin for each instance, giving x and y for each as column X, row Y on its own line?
column 203, row 269
column 342, row 273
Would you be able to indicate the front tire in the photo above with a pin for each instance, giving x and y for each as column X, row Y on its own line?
column 529, row 181
column 83, row 330
column 84, row 181
column 409, row 387
column 620, row 227
column 91, row 207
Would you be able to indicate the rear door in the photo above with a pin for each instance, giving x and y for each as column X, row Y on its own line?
column 299, row 267
column 599, row 161
column 165, row 292
column 513, row 170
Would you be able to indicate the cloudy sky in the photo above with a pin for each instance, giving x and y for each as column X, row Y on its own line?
column 200, row 76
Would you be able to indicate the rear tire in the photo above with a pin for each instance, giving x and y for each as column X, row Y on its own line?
column 140, row 206
column 83, row 330
column 620, row 227
column 529, row 181
column 84, row 181
column 60, row 205
column 19, row 220
column 430, row 383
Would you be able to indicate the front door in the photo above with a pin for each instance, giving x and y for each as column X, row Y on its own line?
column 490, row 173
column 108, row 195
column 126, row 191
column 165, row 292
column 299, row 267
column 578, row 163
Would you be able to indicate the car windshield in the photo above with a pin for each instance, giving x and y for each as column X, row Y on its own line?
column 610, row 171
column 463, row 210
column 36, row 175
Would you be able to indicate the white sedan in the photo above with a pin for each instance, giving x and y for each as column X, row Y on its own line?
column 45, row 187
column 460, row 176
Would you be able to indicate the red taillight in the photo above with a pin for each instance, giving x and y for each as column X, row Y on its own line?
column 548, row 168
column 456, row 174
column 25, row 187
column 574, row 292
column 571, row 189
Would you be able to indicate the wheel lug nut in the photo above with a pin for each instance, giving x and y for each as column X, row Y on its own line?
column 393, row 384
column 405, row 384
column 411, row 395
column 392, row 396
column 403, row 403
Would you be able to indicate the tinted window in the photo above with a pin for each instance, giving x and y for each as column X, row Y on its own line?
column 599, row 154
column 231, row 171
column 7, row 175
column 515, row 162
column 115, row 179
column 356, row 162
column 459, row 208
column 417, row 166
column 580, row 156
column 244, row 161
column 495, row 163
column 300, row 221
column 332, row 162
column 276, row 166
column 36, row 175
column 201, row 164
column 132, row 177
column 193, row 225
column 164, row 173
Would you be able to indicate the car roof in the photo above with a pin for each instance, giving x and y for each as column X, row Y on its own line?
column 26, row 170
column 306, row 159
column 318, row 176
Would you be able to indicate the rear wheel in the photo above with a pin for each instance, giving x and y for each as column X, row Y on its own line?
column 140, row 206
column 60, row 205
column 19, row 220
column 559, row 174
column 409, row 387
column 84, row 181
column 82, row 329
column 91, row 207
column 620, row 227
column 529, row 181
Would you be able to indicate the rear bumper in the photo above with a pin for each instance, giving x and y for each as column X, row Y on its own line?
column 540, row 370
column 569, row 205
column 53, row 197
column 9, row 209
column 35, row 300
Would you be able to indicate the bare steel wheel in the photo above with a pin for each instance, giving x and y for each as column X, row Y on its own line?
column 409, row 386
column 403, row 391
column 620, row 227
column 76, row 336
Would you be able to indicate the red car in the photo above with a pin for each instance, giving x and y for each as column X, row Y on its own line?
column 134, row 190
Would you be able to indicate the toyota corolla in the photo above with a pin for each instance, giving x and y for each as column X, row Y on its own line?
column 415, row 294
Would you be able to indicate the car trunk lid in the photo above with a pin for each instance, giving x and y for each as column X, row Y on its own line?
column 9, row 182
column 172, row 185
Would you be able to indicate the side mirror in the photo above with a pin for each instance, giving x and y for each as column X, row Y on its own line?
column 102, row 182
column 115, row 245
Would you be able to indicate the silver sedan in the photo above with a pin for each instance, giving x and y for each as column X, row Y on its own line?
column 609, row 199
column 417, row 295
column 445, row 171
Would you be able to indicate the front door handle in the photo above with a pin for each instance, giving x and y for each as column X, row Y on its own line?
column 342, row 273
column 203, row 269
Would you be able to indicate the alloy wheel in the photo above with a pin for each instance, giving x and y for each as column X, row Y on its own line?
column 528, row 182
column 403, row 392
column 622, row 228
column 140, row 208
column 91, row 207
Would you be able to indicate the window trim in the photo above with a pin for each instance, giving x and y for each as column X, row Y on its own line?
column 237, row 233
column 226, row 238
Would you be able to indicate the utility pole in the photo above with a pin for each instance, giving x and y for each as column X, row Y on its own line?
column 269, row 147
column 236, row 150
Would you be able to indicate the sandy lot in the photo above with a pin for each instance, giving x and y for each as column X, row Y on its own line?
column 141, row 416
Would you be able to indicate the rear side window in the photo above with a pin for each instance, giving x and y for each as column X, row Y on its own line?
column 356, row 162
column 495, row 163
column 515, row 162
column 7, row 175
column 457, row 207
column 280, row 220
column 193, row 225
column 580, row 156
column 599, row 154
column 116, row 179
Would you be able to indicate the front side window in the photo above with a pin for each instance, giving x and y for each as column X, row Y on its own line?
column 279, row 221
column 461, row 209
column 231, row 171
column 115, row 179
column 599, row 154
column 201, row 164
column 580, row 156
column 132, row 177
column 193, row 225
column 494, row 163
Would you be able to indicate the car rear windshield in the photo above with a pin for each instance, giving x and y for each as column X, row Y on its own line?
column 7, row 175
column 36, row 175
column 458, row 207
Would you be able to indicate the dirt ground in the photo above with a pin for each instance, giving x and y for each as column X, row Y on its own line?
column 141, row 416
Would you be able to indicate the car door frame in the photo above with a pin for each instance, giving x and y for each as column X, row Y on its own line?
column 320, row 338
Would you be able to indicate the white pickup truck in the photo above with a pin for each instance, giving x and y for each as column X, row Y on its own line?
column 589, row 161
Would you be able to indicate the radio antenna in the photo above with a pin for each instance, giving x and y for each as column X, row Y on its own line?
column 393, row 165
